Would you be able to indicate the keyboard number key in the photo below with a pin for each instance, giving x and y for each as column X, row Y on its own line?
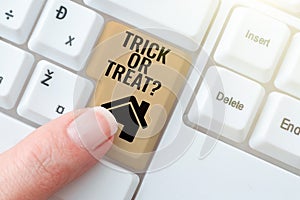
column 53, row 91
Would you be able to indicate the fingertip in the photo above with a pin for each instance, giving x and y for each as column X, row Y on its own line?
column 69, row 145
column 92, row 128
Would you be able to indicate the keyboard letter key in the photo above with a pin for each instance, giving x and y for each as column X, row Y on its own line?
column 252, row 44
column 66, row 33
column 53, row 91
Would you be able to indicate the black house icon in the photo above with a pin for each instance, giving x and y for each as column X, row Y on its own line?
column 130, row 114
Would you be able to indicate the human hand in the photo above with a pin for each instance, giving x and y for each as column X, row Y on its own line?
column 55, row 154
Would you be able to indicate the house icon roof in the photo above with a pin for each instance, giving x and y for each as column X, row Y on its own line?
column 130, row 114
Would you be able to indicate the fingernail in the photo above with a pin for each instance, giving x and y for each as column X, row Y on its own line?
column 93, row 128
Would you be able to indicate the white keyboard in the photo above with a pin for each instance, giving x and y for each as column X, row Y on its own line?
column 207, row 92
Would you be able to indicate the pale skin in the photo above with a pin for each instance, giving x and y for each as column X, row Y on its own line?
column 46, row 161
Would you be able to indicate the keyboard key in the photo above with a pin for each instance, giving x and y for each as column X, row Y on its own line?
column 252, row 44
column 165, row 15
column 53, row 91
column 226, row 173
column 17, row 18
column 292, row 6
column 66, row 33
column 139, row 80
column 15, row 67
column 277, row 131
column 223, row 103
column 12, row 131
column 103, row 181
column 288, row 76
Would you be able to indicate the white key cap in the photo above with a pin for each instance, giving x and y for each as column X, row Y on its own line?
column 226, row 173
column 12, row 131
column 14, row 69
column 102, row 182
column 288, row 76
column 53, row 91
column 292, row 6
column 188, row 18
column 277, row 131
column 226, row 99
column 17, row 18
column 252, row 44
column 190, row 165
column 66, row 33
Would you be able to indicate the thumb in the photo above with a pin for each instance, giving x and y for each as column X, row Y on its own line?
column 55, row 154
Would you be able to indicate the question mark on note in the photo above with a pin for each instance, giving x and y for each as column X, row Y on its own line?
column 158, row 86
